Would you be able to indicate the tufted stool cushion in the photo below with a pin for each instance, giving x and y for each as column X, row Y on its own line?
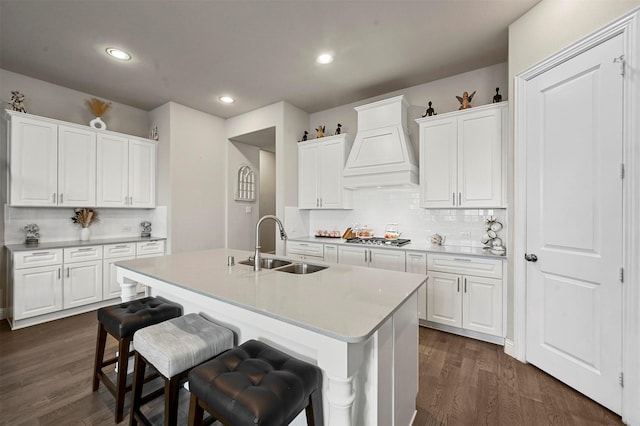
column 121, row 321
column 255, row 384
column 173, row 347
column 124, row 319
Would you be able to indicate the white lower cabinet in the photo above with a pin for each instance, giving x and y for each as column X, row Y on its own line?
column 417, row 264
column 331, row 253
column 466, row 293
column 305, row 251
column 51, row 284
column 391, row 259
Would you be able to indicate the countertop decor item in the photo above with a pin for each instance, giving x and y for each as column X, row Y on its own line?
column 490, row 238
column 17, row 101
column 146, row 229
column 437, row 239
column 465, row 100
column 84, row 217
column 98, row 109
column 33, row 233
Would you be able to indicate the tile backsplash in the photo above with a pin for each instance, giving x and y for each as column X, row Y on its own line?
column 378, row 207
column 55, row 223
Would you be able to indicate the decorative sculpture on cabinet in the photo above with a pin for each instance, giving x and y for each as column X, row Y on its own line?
column 465, row 100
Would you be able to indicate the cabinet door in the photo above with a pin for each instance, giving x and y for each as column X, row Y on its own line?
column 37, row 291
column 142, row 174
column 331, row 253
column 330, row 181
column 480, row 158
column 82, row 283
column 112, row 171
column 444, row 300
column 308, row 169
column 76, row 167
column 393, row 260
column 110, row 287
column 438, row 163
column 482, row 305
column 353, row 256
column 34, row 163
column 417, row 264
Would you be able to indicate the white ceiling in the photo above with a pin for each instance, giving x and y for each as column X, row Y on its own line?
column 259, row 51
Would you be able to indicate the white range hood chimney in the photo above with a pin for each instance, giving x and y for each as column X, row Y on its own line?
column 382, row 154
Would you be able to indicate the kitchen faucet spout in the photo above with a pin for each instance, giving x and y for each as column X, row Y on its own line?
column 256, row 255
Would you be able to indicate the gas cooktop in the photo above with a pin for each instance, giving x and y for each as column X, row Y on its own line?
column 379, row 241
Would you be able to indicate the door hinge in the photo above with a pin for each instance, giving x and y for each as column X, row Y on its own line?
column 621, row 379
column 620, row 60
column 621, row 170
column 621, row 275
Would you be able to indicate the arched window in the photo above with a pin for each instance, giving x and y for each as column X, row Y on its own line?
column 246, row 184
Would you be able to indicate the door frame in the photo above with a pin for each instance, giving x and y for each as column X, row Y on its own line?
column 629, row 26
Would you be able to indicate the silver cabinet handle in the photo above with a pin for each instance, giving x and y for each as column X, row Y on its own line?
column 458, row 280
column 67, row 272
column 119, row 247
column 459, row 198
column 42, row 253
column 462, row 259
column 320, row 201
column 365, row 256
column 58, row 273
column 453, row 198
column 54, row 198
column 131, row 200
column 61, row 198
column 465, row 285
column 126, row 201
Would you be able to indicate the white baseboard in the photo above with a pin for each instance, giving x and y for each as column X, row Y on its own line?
column 509, row 348
column 3, row 313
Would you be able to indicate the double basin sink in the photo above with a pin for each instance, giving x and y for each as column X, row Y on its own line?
column 282, row 265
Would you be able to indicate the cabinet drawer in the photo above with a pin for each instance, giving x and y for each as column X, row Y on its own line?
column 476, row 266
column 119, row 250
column 32, row 259
column 306, row 249
column 150, row 247
column 82, row 254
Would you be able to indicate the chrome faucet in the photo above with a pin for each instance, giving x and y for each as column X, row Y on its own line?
column 256, row 255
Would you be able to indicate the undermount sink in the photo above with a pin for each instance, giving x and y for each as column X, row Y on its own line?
column 301, row 268
column 267, row 262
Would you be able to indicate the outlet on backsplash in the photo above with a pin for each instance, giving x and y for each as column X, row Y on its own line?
column 465, row 235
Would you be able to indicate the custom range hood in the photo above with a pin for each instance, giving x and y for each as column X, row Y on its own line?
column 382, row 154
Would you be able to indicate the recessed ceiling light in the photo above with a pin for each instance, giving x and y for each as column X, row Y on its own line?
column 118, row 53
column 325, row 58
column 226, row 99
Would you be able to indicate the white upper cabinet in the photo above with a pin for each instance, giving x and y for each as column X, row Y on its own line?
column 126, row 172
column 462, row 158
column 51, row 164
column 320, row 164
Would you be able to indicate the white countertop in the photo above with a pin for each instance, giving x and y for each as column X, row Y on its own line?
column 413, row 245
column 78, row 243
column 345, row 302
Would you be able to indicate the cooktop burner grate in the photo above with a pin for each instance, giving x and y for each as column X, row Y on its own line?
column 379, row 241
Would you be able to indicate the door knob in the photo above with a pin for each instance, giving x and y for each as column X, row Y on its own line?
column 530, row 257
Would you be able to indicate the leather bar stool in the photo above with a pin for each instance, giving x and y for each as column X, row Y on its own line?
column 255, row 384
column 122, row 321
column 173, row 348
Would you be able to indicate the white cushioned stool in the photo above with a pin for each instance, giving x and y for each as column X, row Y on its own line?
column 173, row 348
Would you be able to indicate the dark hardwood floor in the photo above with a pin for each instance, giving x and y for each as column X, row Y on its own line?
column 45, row 379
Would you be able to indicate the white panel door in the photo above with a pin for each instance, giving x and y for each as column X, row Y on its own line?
column 444, row 302
column 37, row 291
column 76, row 167
column 112, row 171
column 482, row 305
column 142, row 174
column 574, row 222
column 417, row 264
column 479, row 158
column 82, row 283
column 353, row 256
column 438, row 163
column 308, row 170
column 110, row 286
column 393, row 260
column 34, row 163
column 330, row 185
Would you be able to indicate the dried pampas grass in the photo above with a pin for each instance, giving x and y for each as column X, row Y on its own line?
column 98, row 107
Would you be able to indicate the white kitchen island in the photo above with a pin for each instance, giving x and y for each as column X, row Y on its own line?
column 359, row 325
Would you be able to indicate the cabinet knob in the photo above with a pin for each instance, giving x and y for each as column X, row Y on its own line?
column 530, row 257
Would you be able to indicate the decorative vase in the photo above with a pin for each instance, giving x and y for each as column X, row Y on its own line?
column 97, row 123
column 85, row 234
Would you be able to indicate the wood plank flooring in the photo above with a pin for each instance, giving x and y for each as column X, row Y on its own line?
column 45, row 379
